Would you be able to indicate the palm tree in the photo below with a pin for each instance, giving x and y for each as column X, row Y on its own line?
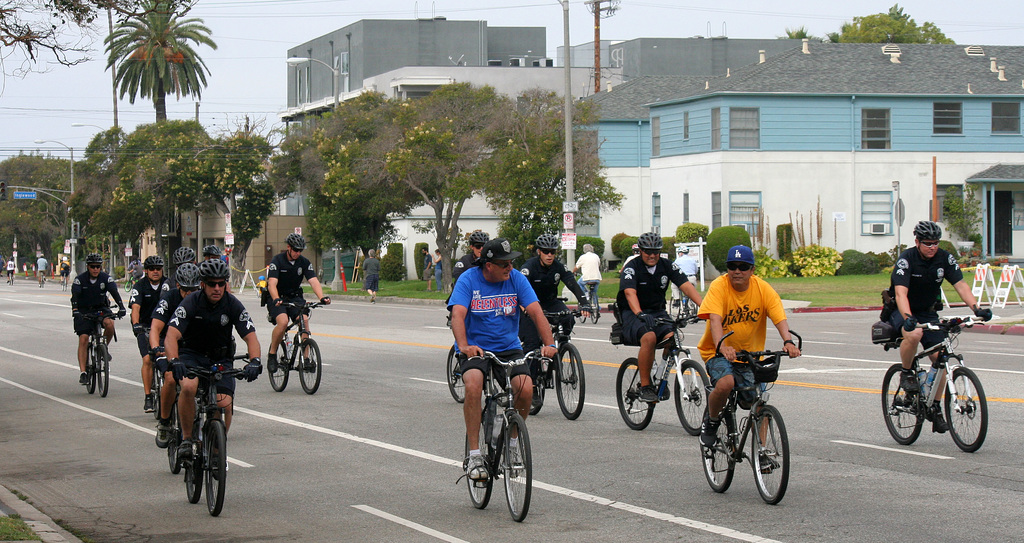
column 153, row 55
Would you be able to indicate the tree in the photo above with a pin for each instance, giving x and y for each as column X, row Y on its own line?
column 962, row 211
column 153, row 56
column 799, row 34
column 38, row 222
column 526, row 172
column 892, row 27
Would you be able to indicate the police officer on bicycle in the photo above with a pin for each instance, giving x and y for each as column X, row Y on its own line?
column 284, row 282
column 545, row 273
column 187, row 278
column 641, row 301
column 916, row 285
column 88, row 295
column 199, row 335
column 181, row 255
column 142, row 300
column 476, row 242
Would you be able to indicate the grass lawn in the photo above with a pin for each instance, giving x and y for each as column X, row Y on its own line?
column 12, row 528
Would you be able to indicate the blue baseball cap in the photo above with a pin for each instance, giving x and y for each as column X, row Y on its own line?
column 740, row 253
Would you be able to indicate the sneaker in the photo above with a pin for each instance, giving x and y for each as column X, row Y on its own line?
column 185, row 450
column 939, row 425
column 767, row 463
column 709, row 431
column 147, row 405
column 649, row 394
column 163, row 434
column 538, row 398
column 908, row 382
column 83, row 379
column 309, row 366
column 272, row 362
column 475, row 468
column 107, row 354
column 515, row 460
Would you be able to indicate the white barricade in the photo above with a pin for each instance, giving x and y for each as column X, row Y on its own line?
column 984, row 283
column 1009, row 280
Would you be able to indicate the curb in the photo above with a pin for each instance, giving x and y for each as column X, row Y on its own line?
column 42, row 525
column 834, row 309
column 1001, row 329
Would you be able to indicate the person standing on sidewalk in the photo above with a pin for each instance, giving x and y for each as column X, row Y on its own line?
column 371, row 267
column 428, row 265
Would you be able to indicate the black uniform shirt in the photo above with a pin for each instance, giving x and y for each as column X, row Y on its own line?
column 923, row 278
column 289, row 274
column 206, row 327
column 147, row 296
column 650, row 287
column 88, row 294
column 466, row 262
column 545, row 279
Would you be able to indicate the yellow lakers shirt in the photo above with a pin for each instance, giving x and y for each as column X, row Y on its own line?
column 742, row 312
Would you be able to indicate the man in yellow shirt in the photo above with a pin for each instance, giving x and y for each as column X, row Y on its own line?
column 741, row 303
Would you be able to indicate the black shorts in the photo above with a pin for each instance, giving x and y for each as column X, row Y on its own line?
column 196, row 360
column 930, row 337
column 84, row 326
column 633, row 328
column 372, row 282
column 293, row 312
column 143, row 341
column 482, row 364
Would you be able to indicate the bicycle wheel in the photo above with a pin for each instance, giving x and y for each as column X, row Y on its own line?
column 311, row 368
column 690, row 384
column 517, row 468
column 769, row 455
column 968, row 417
column 636, row 414
column 279, row 378
column 454, row 377
column 480, row 491
column 91, row 370
column 103, row 370
column 194, row 475
column 719, row 465
column 902, row 418
column 571, row 385
column 172, row 444
column 158, row 383
column 215, row 470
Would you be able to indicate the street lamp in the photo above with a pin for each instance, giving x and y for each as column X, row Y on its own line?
column 898, row 212
column 295, row 61
column 71, row 150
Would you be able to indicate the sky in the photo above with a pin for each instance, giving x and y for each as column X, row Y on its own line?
column 248, row 69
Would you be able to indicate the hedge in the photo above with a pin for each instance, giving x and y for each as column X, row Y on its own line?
column 721, row 239
column 392, row 265
column 691, row 232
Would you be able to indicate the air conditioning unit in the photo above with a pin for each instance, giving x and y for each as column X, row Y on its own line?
column 879, row 228
column 518, row 61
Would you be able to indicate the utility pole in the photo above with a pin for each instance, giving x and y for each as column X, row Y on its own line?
column 607, row 11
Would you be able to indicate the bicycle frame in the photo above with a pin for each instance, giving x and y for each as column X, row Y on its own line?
column 946, row 362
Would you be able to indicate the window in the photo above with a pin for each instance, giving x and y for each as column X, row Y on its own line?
column 874, row 129
column 716, row 128
column 744, row 128
column 745, row 210
column 686, row 125
column 876, row 208
column 1018, row 210
column 1005, row 118
column 686, row 207
column 655, row 136
column 716, row 210
column 947, row 118
column 656, row 212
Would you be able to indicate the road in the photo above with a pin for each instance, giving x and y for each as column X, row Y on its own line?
column 375, row 454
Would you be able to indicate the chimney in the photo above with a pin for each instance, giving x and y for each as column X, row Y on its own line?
column 760, row 55
column 707, row 84
column 992, row 66
column 1002, row 73
column 806, row 50
column 728, row 72
column 609, row 86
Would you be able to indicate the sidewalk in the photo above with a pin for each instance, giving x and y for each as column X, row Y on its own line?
column 42, row 525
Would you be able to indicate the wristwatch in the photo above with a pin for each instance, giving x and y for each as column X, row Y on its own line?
column 789, row 341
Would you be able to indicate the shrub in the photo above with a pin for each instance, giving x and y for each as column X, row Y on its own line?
column 948, row 246
column 858, row 263
column 719, row 241
column 616, row 239
column 691, row 232
column 884, row 260
column 784, row 240
column 392, row 266
column 816, row 261
column 418, row 251
column 668, row 245
column 118, row 272
column 767, row 267
column 625, row 247
column 598, row 244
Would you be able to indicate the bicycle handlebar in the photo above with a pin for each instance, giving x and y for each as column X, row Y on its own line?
column 535, row 354
column 757, row 355
column 218, row 370
column 950, row 323
column 305, row 305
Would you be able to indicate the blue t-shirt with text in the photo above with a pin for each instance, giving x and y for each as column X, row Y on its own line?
column 492, row 320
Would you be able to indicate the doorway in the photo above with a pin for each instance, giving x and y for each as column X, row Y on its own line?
column 1002, row 222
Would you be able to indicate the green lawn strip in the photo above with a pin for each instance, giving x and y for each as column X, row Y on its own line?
column 12, row 528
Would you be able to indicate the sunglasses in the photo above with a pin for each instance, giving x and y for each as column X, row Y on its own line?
column 94, row 266
column 741, row 266
column 502, row 263
column 929, row 243
column 187, row 290
column 216, row 284
column 549, row 251
column 154, row 268
column 650, row 251
column 478, row 245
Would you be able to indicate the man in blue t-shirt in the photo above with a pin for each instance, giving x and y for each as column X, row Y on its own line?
column 485, row 317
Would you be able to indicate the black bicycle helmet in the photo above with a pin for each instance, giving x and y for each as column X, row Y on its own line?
column 547, row 241
column 94, row 258
column 296, row 241
column 154, row 261
column 650, row 240
column 927, row 230
column 182, row 255
column 214, row 269
column 211, row 250
column 187, row 275
column 479, row 237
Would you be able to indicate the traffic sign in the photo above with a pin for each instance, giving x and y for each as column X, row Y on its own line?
column 568, row 221
column 24, row 195
column 570, row 207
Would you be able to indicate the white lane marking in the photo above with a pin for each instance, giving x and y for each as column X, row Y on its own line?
column 410, row 524
column 650, row 513
column 991, row 342
column 895, row 360
column 823, row 342
column 601, row 405
column 66, row 365
column 834, row 370
column 444, row 383
column 890, row 449
column 428, row 381
column 437, row 328
column 65, row 306
column 13, row 315
column 101, row 414
column 836, row 333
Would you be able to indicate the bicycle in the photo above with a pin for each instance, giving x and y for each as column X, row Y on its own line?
column 129, row 282
column 590, row 290
column 64, row 283
column 208, row 466
column 97, row 363
column 453, row 375
column 905, row 413
column 691, row 380
column 769, row 444
column 500, row 460
column 158, row 380
column 310, row 367
column 566, row 377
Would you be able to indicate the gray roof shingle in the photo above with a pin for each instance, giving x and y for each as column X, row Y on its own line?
column 626, row 101
column 1010, row 172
